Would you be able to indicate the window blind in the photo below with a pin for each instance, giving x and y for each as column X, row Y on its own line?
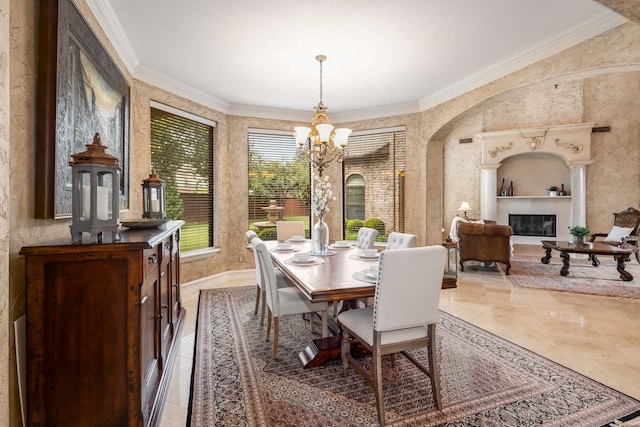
column 373, row 180
column 182, row 153
column 277, row 173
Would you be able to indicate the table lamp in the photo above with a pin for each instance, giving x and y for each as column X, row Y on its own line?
column 464, row 207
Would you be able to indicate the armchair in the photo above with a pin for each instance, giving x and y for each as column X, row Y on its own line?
column 485, row 243
column 624, row 233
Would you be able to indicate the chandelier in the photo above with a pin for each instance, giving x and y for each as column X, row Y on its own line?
column 321, row 143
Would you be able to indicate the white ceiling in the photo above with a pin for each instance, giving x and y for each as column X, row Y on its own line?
column 257, row 57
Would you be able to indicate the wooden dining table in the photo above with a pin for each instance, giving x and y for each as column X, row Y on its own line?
column 327, row 278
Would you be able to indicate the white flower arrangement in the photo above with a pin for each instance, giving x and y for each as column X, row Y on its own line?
column 321, row 195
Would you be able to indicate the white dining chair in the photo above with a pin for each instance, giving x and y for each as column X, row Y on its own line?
column 284, row 301
column 260, row 291
column 403, row 316
column 397, row 240
column 366, row 237
column 287, row 229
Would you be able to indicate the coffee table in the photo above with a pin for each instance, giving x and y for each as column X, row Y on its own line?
column 592, row 249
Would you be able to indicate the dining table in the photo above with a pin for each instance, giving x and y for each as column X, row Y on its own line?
column 343, row 274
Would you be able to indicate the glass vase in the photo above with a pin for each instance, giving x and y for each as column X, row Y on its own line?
column 320, row 237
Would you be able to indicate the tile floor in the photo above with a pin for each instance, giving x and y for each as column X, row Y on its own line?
column 596, row 336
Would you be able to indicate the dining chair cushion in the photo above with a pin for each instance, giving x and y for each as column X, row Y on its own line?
column 292, row 301
column 287, row 229
column 397, row 240
column 366, row 237
column 360, row 322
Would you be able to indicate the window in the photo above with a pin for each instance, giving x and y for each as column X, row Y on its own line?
column 182, row 153
column 354, row 197
column 378, row 158
column 277, row 173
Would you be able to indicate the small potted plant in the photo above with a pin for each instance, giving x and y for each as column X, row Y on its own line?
column 580, row 233
column 553, row 190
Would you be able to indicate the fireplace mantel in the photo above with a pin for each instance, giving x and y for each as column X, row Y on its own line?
column 572, row 143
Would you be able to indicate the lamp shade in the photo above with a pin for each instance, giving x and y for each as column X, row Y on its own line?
column 301, row 133
column 341, row 137
column 324, row 130
column 464, row 207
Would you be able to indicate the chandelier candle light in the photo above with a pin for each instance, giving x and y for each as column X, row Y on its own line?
column 320, row 143
column 320, row 199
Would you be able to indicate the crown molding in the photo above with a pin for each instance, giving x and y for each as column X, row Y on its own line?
column 571, row 37
column 106, row 17
column 179, row 88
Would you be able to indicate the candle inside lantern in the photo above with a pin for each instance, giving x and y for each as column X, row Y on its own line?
column 102, row 211
column 103, row 203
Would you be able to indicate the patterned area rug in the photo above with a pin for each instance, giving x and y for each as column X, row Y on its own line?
column 486, row 381
column 529, row 272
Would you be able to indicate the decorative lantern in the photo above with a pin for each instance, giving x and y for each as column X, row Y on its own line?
column 153, row 197
column 95, row 194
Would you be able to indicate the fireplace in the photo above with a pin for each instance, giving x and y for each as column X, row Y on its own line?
column 533, row 225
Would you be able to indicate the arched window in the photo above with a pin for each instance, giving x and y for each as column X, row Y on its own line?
column 355, row 197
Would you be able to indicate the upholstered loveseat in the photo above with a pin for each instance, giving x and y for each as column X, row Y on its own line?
column 488, row 242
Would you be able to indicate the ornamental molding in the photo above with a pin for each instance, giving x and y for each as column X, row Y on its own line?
column 570, row 142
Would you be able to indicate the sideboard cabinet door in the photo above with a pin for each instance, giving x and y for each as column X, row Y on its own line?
column 93, row 330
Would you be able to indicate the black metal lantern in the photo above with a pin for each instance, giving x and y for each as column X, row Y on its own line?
column 153, row 205
column 95, row 194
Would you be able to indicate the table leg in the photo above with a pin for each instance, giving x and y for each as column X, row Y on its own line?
column 322, row 350
column 595, row 261
column 565, row 264
column 624, row 275
column 545, row 259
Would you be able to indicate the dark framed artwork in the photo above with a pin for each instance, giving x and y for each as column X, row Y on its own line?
column 81, row 92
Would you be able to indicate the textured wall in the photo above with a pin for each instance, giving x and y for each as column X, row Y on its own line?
column 5, row 336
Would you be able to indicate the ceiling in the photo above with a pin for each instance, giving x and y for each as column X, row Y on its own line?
column 257, row 58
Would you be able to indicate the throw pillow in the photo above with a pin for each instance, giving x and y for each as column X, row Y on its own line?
column 618, row 233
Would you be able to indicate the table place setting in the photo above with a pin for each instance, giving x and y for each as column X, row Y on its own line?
column 369, row 275
column 304, row 259
column 296, row 239
column 285, row 247
column 366, row 255
column 341, row 244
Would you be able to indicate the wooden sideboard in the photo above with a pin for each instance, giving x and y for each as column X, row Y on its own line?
column 103, row 322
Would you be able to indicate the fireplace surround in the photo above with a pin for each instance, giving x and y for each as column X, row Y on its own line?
column 571, row 144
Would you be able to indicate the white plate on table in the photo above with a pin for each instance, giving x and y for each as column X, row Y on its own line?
column 306, row 261
column 372, row 274
column 334, row 246
column 373, row 256
column 296, row 240
column 277, row 249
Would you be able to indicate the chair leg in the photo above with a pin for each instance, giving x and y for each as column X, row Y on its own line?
column 264, row 303
column 268, row 325
column 377, row 379
column 325, row 324
column 255, row 311
column 433, row 366
column 276, row 331
column 345, row 349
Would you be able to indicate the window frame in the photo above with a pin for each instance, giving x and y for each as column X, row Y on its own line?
column 211, row 247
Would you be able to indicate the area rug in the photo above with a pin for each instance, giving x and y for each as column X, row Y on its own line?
column 528, row 272
column 485, row 380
